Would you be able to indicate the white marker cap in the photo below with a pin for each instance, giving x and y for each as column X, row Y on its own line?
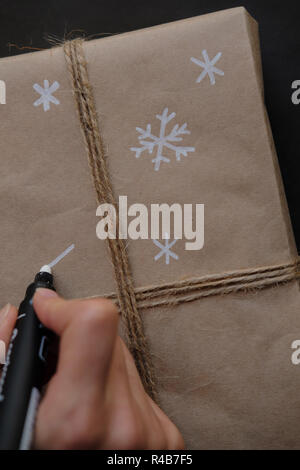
column 45, row 269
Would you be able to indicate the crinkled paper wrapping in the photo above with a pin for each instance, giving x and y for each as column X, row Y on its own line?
column 223, row 363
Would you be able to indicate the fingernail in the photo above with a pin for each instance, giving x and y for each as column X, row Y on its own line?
column 45, row 293
column 4, row 312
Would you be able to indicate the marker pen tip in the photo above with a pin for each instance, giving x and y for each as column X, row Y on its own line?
column 45, row 269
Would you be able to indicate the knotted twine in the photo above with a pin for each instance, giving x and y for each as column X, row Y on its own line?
column 128, row 298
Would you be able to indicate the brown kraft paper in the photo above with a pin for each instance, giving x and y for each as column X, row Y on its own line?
column 223, row 363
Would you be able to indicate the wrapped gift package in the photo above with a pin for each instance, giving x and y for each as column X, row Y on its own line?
column 169, row 114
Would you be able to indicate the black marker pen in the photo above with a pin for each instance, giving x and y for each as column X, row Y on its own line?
column 22, row 376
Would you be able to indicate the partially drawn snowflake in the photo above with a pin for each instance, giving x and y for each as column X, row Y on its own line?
column 46, row 94
column 165, row 249
column 164, row 140
column 208, row 67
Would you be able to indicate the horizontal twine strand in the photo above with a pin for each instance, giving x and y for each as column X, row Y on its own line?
column 188, row 290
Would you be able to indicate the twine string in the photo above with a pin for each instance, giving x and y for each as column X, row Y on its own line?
column 86, row 108
column 188, row 290
column 131, row 300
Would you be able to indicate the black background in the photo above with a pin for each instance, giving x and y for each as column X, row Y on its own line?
column 28, row 22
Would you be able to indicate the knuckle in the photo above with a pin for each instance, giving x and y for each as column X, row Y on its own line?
column 133, row 438
column 176, row 441
column 98, row 314
column 109, row 305
column 157, row 438
column 81, row 430
column 131, row 435
column 179, row 443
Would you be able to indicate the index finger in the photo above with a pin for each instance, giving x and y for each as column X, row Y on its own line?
column 88, row 330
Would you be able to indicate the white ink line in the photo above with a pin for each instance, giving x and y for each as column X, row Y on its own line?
column 61, row 256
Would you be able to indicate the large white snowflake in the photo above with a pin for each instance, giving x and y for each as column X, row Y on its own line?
column 208, row 67
column 149, row 141
column 46, row 94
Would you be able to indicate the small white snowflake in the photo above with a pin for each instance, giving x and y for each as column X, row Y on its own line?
column 208, row 66
column 166, row 249
column 46, row 94
column 163, row 140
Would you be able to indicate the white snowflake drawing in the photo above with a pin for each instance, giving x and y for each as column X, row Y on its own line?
column 166, row 249
column 46, row 94
column 149, row 141
column 208, row 67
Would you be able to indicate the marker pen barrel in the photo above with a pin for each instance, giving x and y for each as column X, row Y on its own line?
column 23, row 373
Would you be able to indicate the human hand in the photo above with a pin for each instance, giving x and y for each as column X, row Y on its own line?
column 95, row 400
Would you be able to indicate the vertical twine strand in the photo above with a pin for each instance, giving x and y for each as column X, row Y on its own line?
column 85, row 104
